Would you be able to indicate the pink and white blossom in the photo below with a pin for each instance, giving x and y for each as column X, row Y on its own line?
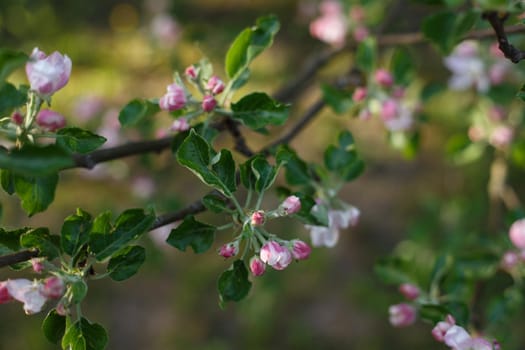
column 275, row 255
column 402, row 315
column 501, row 136
column 174, row 99
column 509, row 260
column 328, row 236
column 441, row 328
column 331, row 27
column 50, row 120
column 257, row 266
column 458, row 339
column 468, row 69
column 291, row 205
column 165, row 30
column 180, row 124
column 517, row 233
column 48, row 74
column 53, row 287
column 27, row 292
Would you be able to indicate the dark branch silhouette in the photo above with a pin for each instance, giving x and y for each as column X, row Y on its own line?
column 497, row 21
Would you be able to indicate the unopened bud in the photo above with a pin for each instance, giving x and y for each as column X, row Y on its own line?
column 300, row 250
column 229, row 249
column 258, row 218
column 37, row 265
column 5, row 297
column 191, row 72
column 409, row 291
column 359, row 94
column 208, row 103
column 257, row 267
column 383, row 78
column 180, row 124
column 174, row 99
column 50, row 120
column 215, row 85
column 402, row 315
column 517, row 233
column 17, row 118
column 53, row 288
column 291, row 205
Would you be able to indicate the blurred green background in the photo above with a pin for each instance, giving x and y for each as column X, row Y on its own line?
column 331, row 301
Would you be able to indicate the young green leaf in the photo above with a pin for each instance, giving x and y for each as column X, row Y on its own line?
column 36, row 161
column 218, row 171
column 54, row 326
column 130, row 225
column 79, row 291
column 365, row 58
column 297, row 171
column 126, row 262
column 10, row 61
column 233, row 284
column 265, row 174
column 258, row 110
column 40, row 238
column 137, row 110
column 343, row 159
column 402, row 66
column 249, row 44
column 35, row 192
column 445, row 29
column 10, row 98
column 79, row 140
column 75, row 232
column 83, row 335
column 197, row 235
column 340, row 101
column 215, row 203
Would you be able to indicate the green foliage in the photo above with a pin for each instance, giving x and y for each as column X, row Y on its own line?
column 343, row 159
column 75, row 232
column 197, row 235
column 264, row 173
column 247, row 46
column 78, row 140
column 233, row 284
column 366, row 55
column 10, row 61
column 258, row 110
column 40, row 238
column 54, row 326
column 216, row 170
column 35, row 192
column 126, row 262
column 11, row 98
column 446, row 29
column 297, row 171
column 84, row 335
column 339, row 100
column 36, row 161
column 137, row 110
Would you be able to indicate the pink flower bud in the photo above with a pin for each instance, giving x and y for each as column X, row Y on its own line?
column 300, row 250
column 441, row 328
column 37, row 265
column 258, row 217
column 50, row 120
column 53, row 288
column 389, row 109
column 180, row 124
column 191, row 72
column 402, row 315
column 174, row 99
column 517, row 233
column 409, row 291
column 257, row 267
column 509, row 260
column 229, row 249
column 208, row 103
column 497, row 73
column 383, row 78
column 275, row 255
column 398, row 92
column 291, row 205
column 17, row 118
column 330, row 28
column 215, row 85
column 47, row 74
column 5, row 297
column 359, row 94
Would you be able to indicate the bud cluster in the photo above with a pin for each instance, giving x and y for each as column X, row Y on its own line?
column 457, row 338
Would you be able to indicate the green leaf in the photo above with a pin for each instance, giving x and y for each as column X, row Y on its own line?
column 10, row 61
column 392, row 270
column 54, row 326
column 131, row 224
column 233, row 284
column 137, row 110
column 11, row 239
column 249, row 44
column 215, row 203
column 40, row 238
column 197, row 235
column 79, row 140
column 446, row 29
column 305, row 213
column 339, row 100
column 83, row 335
column 433, row 313
column 246, row 174
column 521, row 94
column 75, row 232
column 79, row 291
column 10, row 98
column 196, row 154
column 35, row 192
column 34, row 161
column 343, row 159
column 365, row 58
column 102, row 223
column 7, row 179
column 297, row 172
column 265, row 174
column 258, row 110
column 402, row 66
column 126, row 263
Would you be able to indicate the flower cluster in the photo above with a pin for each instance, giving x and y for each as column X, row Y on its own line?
column 382, row 97
column 405, row 314
column 33, row 294
column 178, row 97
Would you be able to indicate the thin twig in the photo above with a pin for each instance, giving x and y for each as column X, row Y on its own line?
column 510, row 51
column 240, row 143
column 18, row 257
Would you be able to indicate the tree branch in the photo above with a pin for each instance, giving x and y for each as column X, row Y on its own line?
column 18, row 257
column 240, row 143
column 510, row 51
